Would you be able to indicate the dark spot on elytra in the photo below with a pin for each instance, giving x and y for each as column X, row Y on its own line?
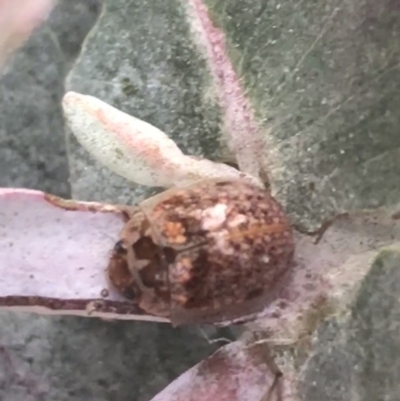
column 170, row 254
column 130, row 292
column 145, row 248
column 119, row 248
column 197, row 287
column 223, row 183
column 254, row 293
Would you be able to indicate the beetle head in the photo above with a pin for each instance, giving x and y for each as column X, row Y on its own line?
column 137, row 268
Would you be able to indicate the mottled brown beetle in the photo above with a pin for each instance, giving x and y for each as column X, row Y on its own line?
column 211, row 252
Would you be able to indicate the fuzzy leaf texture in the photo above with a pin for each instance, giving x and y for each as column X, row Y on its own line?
column 301, row 95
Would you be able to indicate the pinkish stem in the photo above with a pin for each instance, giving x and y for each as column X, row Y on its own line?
column 241, row 128
column 17, row 21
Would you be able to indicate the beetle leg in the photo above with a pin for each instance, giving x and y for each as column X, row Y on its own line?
column 134, row 272
column 319, row 232
column 127, row 212
column 277, row 384
column 219, row 338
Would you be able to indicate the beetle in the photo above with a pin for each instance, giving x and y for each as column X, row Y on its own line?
column 213, row 252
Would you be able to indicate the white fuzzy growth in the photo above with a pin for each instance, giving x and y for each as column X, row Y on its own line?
column 237, row 220
column 265, row 259
column 213, row 217
column 222, row 243
column 133, row 148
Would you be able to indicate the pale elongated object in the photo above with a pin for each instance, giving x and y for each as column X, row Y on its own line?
column 18, row 18
column 135, row 149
